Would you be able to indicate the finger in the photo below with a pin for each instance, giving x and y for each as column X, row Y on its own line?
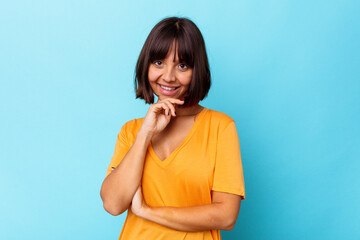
column 159, row 107
column 171, row 107
column 165, row 108
column 175, row 101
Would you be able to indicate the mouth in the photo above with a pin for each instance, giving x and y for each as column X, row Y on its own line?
column 166, row 90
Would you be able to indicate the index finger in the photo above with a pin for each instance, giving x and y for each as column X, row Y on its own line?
column 175, row 100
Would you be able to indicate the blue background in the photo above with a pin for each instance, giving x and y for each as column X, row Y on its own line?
column 286, row 71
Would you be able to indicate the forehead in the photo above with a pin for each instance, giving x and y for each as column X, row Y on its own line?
column 172, row 48
column 173, row 52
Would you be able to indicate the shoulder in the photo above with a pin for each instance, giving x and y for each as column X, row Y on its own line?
column 133, row 125
column 219, row 119
column 220, row 126
column 130, row 129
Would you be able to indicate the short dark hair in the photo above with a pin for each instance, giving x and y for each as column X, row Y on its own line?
column 191, row 50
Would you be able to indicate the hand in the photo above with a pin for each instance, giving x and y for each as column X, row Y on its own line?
column 138, row 205
column 159, row 115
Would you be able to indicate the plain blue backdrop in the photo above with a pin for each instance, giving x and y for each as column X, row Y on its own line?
column 286, row 71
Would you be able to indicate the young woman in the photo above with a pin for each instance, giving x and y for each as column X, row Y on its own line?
column 178, row 170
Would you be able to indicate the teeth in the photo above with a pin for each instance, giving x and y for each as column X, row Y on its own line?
column 167, row 88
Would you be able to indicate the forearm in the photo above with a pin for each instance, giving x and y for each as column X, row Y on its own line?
column 120, row 186
column 190, row 219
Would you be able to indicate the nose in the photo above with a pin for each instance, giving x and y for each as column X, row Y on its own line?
column 169, row 74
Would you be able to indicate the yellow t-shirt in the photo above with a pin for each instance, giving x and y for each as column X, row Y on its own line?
column 208, row 159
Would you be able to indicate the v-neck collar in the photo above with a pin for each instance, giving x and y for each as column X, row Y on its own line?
column 168, row 160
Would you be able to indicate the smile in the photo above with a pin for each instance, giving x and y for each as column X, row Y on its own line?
column 168, row 88
column 168, row 91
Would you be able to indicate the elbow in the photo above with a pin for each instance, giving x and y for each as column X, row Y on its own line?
column 224, row 219
column 113, row 210
column 224, row 222
column 113, row 204
column 228, row 224
column 110, row 206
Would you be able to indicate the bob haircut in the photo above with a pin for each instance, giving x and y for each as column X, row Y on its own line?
column 191, row 51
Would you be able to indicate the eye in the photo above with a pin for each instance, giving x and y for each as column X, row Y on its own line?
column 157, row 63
column 183, row 66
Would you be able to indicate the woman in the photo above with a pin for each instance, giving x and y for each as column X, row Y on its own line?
column 178, row 170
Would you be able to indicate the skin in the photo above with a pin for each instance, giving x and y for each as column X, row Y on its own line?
column 165, row 126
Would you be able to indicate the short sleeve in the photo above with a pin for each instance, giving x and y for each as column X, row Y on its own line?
column 122, row 146
column 228, row 173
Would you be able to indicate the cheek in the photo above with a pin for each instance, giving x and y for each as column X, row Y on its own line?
column 186, row 79
column 153, row 75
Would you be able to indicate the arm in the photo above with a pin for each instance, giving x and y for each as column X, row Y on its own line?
column 220, row 214
column 120, row 185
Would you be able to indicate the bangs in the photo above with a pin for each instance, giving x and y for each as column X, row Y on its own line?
column 161, row 45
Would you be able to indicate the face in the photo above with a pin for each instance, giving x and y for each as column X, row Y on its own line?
column 169, row 78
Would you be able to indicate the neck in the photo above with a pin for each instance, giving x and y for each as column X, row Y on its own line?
column 188, row 111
